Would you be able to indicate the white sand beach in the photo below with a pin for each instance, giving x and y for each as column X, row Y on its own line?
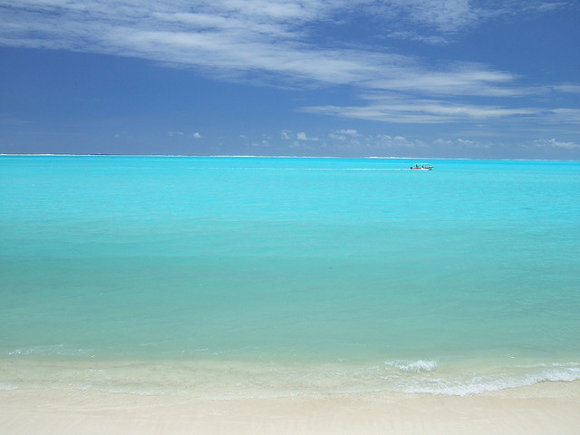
column 547, row 408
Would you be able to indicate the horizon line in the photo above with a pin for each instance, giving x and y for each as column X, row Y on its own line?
column 278, row 157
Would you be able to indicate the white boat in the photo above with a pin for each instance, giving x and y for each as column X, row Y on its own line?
column 422, row 167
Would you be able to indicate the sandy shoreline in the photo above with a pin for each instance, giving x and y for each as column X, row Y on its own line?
column 541, row 409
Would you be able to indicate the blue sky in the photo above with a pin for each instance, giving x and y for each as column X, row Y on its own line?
column 418, row 78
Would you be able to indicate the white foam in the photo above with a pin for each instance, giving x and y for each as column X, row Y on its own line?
column 229, row 379
column 7, row 387
column 54, row 349
column 414, row 366
column 479, row 384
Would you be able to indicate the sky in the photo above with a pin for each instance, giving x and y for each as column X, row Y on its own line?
column 493, row 79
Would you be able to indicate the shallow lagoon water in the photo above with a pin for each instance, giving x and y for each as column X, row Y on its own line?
column 295, row 274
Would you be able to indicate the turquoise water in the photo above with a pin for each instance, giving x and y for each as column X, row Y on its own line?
column 300, row 273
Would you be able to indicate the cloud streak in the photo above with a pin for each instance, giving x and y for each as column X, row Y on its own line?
column 274, row 41
column 392, row 109
column 253, row 37
column 553, row 143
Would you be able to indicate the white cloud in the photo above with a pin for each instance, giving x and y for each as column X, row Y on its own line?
column 353, row 139
column 273, row 41
column 388, row 141
column 301, row 136
column 443, row 15
column 553, row 143
column 344, row 134
column 285, row 134
column 297, row 137
column 414, row 36
column 337, row 136
column 234, row 38
column 437, row 21
column 264, row 143
column 564, row 115
column 460, row 143
column 568, row 88
column 348, row 132
column 178, row 133
column 408, row 110
column 459, row 79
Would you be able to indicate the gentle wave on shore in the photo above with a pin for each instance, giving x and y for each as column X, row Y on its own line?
column 221, row 379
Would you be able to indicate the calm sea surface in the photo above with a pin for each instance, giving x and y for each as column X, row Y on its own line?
column 281, row 275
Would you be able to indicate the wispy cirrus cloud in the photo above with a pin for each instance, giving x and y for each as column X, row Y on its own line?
column 394, row 109
column 564, row 115
column 442, row 15
column 567, row 88
column 457, row 79
column 274, row 41
column 437, row 21
column 414, row 36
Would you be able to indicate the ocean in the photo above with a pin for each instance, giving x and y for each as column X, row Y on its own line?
column 265, row 277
